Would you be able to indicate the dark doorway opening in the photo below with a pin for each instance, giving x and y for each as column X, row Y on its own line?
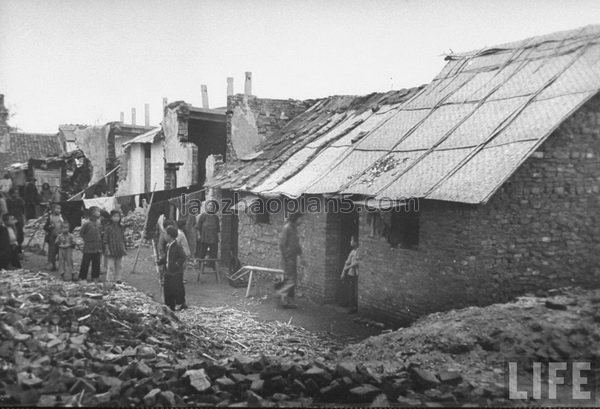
column 209, row 136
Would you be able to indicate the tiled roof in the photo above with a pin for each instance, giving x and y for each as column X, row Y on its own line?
column 25, row 146
column 458, row 139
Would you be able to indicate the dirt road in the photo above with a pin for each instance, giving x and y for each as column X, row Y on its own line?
column 207, row 293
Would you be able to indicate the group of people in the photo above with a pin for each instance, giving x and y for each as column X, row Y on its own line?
column 12, row 221
column 103, row 236
column 35, row 201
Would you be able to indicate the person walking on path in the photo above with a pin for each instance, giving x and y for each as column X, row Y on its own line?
column 53, row 229
column 16, row 207
column 289, row 245
column 208, row 227
column 92, row 245
column 114, row 247
column 173, row 262
column 65, row 242
column 350, row 275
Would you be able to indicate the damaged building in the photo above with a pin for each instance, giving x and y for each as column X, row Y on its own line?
column 18, row 148
column 174, row 154
column 478, row 187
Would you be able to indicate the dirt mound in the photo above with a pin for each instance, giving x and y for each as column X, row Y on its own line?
column 477, row 342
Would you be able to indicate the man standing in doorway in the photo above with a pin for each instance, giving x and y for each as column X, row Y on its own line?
column 209, row 227
column 289, row 245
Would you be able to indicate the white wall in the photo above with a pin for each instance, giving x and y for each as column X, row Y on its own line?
column 176, row 151
column 135, row 173
column 158, row 166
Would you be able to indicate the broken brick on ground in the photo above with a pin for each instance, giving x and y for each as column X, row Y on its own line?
column 110, row 345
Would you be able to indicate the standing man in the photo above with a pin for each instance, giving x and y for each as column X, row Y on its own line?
column 209, row 227
column 32, row 199
column 289, row 245
column 174, row 262
column 16, row 207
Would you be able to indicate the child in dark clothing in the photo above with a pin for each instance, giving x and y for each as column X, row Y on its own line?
column 65, row 242
column 114, row 247
column 174, row 262
column 92, row 245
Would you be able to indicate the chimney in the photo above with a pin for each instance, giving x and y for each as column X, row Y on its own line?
column 122, row 119
column 147, row 114
column 229, row 86
column 3, row 112
column 165, row 102
column 132, row 116
column 204, row 90
column 248, row 84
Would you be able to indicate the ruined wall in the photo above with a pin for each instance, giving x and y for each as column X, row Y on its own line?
column 93, row 141
column 540, row 230
column 253, row 120
column 175, row 131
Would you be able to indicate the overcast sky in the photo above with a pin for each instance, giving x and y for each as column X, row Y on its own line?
column 85, row 61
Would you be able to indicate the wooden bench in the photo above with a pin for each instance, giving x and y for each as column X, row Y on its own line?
column 251, row 271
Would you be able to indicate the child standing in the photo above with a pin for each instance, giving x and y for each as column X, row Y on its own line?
column 114, row 247
column 350, row 274
column 92, row 245
column 65, row 243
column 53, row 229
column 174, row 261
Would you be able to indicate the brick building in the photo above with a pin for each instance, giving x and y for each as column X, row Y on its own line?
column 482, row 185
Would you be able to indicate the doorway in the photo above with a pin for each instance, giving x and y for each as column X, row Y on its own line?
column 348, row 227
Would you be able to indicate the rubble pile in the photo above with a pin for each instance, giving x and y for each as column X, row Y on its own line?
column 469, row 348
column 71, row 344
column 67, row 344
column 134, row 227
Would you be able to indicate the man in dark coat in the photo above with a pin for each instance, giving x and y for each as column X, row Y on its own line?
column 289, row 245
column 174, row 263
column 209, row 227
column 32, row 199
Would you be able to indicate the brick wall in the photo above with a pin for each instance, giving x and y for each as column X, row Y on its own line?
column 540, row 230
column 270, row 115
column 259, row 245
